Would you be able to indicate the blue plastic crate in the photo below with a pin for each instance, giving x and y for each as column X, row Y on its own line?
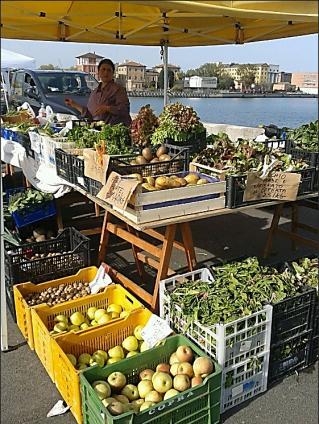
column 34, row 214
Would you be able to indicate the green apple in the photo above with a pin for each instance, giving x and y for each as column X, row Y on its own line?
column 137, row 332
column 93, row 322
column 91, row 312
column 171, row 393
column 130, row 391
column 74, row 328
column 144, row 346
column 84, row 358
column 106, row 402
column 116, row 380
column 116, row 352
column 153, row 396
column 146, row 405
column 162, row 382
column 97, row 359
column 144, row 387
column 113, row 360
column 98, row 313
column 101, row 352
column 61, row 318
column 114, row 315
column 132, row 353
column 137, row 403
column 114, row 308
column 60, row 327
column 124, row 314
column 104, row 319
column 102, row 389
column 72, row 358
column 84, row 326
column 130, row 343
column 82, row 367
column 77, row 318
column 121, row 398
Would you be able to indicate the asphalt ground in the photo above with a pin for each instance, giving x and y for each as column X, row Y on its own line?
column 27, row 393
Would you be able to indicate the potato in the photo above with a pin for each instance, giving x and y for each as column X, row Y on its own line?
column 162, row 181
column 150, row 180
column 137, row 177
column 182, row 182
column 191, row 178
column 149, row 187
column 154, row 160
column 161, row 151
column 147, row 154
column 202, row 181
column 165, row 158
column 140, row 160
column 174, row 183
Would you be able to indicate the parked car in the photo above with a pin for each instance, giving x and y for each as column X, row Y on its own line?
column 51, row 88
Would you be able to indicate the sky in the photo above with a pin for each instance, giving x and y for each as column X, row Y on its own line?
column 291, row 54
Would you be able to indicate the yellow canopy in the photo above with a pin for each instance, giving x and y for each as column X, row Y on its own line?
column 150, row 23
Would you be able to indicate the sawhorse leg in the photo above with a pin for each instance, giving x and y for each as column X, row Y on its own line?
column 273, row 228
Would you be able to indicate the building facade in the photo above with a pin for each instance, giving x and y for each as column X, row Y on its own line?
column 200, row 82
column 131, row 74
column 264, row 73
column 151, row 78
column 284, row 77
column 174, row 68
column 306, row 82
column 88, row 62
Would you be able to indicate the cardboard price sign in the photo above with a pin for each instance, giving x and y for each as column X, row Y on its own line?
column 118, row 190
column 95, row 166
column 277, row 186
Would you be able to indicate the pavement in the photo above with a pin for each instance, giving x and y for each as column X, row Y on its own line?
column 27, row 393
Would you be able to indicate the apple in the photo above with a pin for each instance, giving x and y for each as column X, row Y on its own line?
column 153, row 396
column 77, row 318
column 185, row 368
column 74, row 328
column 98, row 313
column 116, row 380
column 104, row 319
column 130, row 391
column 124, row 314
column 138, row 403
column 171, row 393
column 133, row 353
column 82, row 367
column 84, row 326
column 203, row 366
column 61, row 318
column 162, row 382
column 102, row 389
column 174, row 369
column 113, row 307
column 84, row 358
column 116, row 352
column 163, row 368
column 91, row 312
column 93, row 322
column 114, row 315
column 173, row 359
column 60, row 327
column 130, row 343
column 113, row 360
column 181, row 382
column 102, row 353
column 116, row 408
column 144, row 387
column 195, row 381
column 137, row 332
column 72, row 358
column 133, row 407
column 144, row 346
column 146, row 374
column 121, row 398
column 146, row 405
column 106, row 402
column 184, row 353
column 98, row 359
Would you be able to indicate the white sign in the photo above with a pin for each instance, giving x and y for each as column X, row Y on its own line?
column 155, row 330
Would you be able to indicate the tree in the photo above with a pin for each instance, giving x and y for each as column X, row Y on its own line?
column 170, row 79
column 225, row 82
column 49, row 67
column 247, row 74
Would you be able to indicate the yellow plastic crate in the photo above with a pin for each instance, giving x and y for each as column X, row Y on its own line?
column 23, row 310
column 67, row 378
column 43, row 318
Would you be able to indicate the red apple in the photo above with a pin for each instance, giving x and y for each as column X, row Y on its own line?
column 163, row 368
column 203, row 366
column 146, row 374
column 196, row 380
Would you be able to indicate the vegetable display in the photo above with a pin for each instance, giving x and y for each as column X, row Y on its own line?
column 306, row 137
column 240, row 289
column 143, row 126
column 180, row 124
column 241, row 156
column 117, row 139
column 25, row 199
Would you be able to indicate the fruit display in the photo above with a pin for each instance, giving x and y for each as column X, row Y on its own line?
column 143, row 126
column 41, row 234
column 241, row 156
column 94, row 316
column 130, row 346
column 180, row 124
column 182, row 371
column 172, row 181
column 305, row 137
column 147, row 156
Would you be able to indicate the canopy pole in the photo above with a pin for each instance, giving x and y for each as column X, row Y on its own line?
column 4, row 323
column 165, row 60
column 6, row 89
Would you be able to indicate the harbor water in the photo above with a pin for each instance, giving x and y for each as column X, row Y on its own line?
column 251, row 112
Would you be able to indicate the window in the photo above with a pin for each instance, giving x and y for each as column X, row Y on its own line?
column 17, row 87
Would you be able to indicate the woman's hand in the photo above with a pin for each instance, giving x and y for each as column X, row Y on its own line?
column 100, row 110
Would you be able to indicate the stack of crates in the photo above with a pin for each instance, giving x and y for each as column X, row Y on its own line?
column 241, row 347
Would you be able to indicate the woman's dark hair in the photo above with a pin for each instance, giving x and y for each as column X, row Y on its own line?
column 106, row 62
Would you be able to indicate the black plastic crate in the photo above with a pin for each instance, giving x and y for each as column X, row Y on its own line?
column 74, row 249
column 289, row 356
column 314, row 350
column 311, row 158
column 293, row 316
column 236, row 184
column 63, row 165
column 92, row 186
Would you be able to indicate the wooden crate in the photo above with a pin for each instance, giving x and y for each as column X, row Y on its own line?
column 157, row 205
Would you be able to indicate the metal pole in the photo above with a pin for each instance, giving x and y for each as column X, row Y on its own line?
column 165, row 59
column 5, row 88
column 4, row 323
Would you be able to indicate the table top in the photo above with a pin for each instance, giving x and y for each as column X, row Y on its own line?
column 184, row 218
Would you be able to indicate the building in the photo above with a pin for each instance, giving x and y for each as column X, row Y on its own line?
column 283, row 86
column 200, row 82
column 151, row 78
column 307, row 82
column 174, row 68
column 88, row 62
column 284, row 77
column 264, row 73
column 131, row 74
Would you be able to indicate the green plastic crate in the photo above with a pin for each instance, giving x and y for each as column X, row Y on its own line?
column 198, row 405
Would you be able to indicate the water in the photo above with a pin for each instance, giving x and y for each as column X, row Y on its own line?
column 250, row 112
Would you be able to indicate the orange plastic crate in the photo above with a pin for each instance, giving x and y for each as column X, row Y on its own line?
column 67, row 378
column 43, row 318
column 23, row 310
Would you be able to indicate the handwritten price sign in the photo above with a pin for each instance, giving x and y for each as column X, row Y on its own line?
column 155, row 330
column 118, row 190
